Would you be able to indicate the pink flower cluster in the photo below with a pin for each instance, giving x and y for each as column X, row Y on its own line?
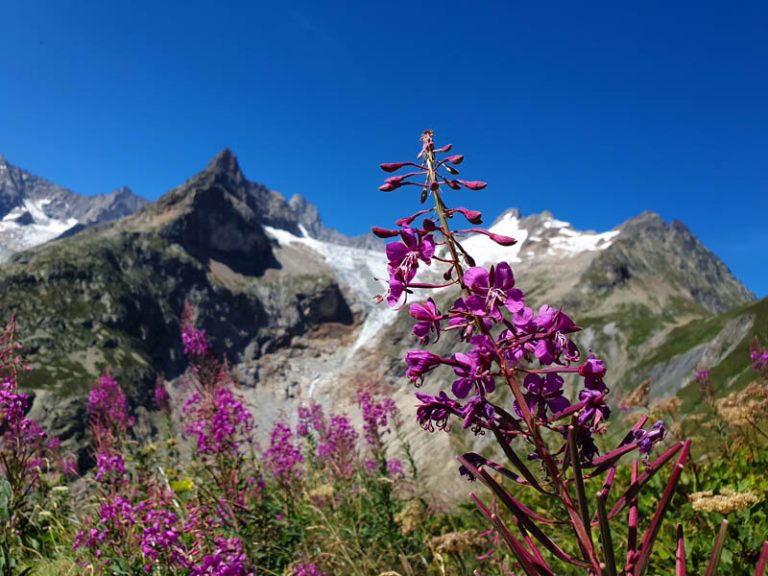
column 283, row 457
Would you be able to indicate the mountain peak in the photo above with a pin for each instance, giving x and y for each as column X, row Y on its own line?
column 224, row 162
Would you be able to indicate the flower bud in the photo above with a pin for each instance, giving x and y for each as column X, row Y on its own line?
column 502, row 240
column 389, row 186
column 498, row 238
column 455, row 159
column 392, row 166
column 473, row 184
column 472, row 216
column 446, row 148
column 384, row 233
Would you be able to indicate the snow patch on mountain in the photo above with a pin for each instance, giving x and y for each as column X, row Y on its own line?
column 537, row 236
column 28, row 225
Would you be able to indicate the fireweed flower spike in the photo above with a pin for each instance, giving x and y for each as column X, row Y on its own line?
column 549, row 443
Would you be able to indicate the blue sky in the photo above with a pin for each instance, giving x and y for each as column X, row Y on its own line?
column 595, row 111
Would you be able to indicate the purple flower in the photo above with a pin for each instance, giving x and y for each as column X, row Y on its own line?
column 307, row 570
column 465, row 314
column 109, row 466
column 435, row 410
column 228, row 559
column 496, row 287
column 544, row 393
column 107, row 405
column 593, row 371
column 595, row 409
column 218, row 421
column 194, row 341
column 338, row 444
column 395, row 468
column 477, row 412
column 474, row 368
column 283, row 457
column 310, row 418
column 702, row 375
column 428, row 318
column 376, row 417
column 646, row 439
column 421, row 362
column 404, row 260
column 162, row 398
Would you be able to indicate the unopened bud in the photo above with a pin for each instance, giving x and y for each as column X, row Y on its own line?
column 384, row 233
column 392, row 166
column 389, row 186
column 473, row 184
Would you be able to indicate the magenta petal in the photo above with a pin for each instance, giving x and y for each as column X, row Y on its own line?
column 476, row 279
column 515, row 300
column 396, row 252
column 503, row 277
column 461, row 387
column 558, row 404
column 523, row 317
column 475, row 305
column 427, row 248
column 455, row 159
column 409, row 237
column 421, row 329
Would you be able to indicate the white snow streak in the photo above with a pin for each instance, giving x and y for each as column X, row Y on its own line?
column 42, row 229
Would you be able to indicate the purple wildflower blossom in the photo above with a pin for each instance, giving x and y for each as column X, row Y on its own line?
column 421, row 362
column 283, row 457
column 544, row 393
column 647, row 438
column 496, row 287
column 428, row 318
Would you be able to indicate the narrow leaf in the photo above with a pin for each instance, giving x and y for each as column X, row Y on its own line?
column 578, row 478
column 717, row 549
column 649, row 538
column 680, row 552
column 637, row 484
column 518, row 550
column 518, row 463
column 605, row 535
column 513, row 506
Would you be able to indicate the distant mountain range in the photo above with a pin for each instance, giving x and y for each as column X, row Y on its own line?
column 290, row 303
column 34, row 210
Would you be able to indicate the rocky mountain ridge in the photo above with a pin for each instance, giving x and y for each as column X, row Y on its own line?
column 34, row 210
